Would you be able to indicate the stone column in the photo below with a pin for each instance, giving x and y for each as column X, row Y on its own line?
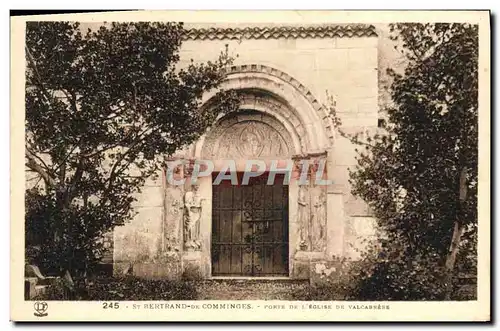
column 311, row 227
column 172, row 220
column 318, row 189
column 193, row 243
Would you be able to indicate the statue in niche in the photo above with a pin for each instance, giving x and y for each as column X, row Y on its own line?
column 192, row 215
column 303, row 217
column 318, row 221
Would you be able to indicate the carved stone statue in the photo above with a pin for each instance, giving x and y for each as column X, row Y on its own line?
column 303, row 217
column 318, row 224
column 192, row 215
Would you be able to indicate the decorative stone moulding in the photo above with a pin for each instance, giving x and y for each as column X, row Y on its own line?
column 289, row 32
column 322, row 111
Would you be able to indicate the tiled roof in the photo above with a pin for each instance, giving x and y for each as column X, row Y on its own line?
column 294, row 32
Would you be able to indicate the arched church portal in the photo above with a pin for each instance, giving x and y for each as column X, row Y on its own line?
column 258, row 229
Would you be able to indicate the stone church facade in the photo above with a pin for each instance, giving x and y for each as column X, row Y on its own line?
column 284, row 74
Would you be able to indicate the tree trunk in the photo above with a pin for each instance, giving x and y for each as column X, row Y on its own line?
column 458, row 231
column 451, row 258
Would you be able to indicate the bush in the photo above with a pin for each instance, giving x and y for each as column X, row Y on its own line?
column 342, row 283
column 380, row 276
column 126, row 288
column 79, row 247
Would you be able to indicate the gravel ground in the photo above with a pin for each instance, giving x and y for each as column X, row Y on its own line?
column 247, row 290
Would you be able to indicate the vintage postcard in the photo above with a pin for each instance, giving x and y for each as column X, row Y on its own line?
column 251, row 166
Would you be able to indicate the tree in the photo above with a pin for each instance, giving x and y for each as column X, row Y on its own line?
column 103, row 108
column 419, row 175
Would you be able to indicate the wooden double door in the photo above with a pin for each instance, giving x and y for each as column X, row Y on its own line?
column 250, row 228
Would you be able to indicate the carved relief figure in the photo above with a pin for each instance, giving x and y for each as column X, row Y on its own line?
column 192, row 215
column 303, row 217
column 173, row 218
column 171, row 242
column 318, row 221
column 278, row 149
column 249, row 139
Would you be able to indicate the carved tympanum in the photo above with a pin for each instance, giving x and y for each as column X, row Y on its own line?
column 248, row 135
column 251, row 139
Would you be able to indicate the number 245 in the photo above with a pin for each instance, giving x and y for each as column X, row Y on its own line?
column 110, row 305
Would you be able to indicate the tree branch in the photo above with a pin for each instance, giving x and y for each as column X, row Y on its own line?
column 68, row 196
column 43, row 90
column 35, row 166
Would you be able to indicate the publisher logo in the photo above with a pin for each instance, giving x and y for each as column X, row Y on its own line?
column 40, row 309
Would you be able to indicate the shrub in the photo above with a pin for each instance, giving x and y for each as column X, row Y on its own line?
column 380, row 276
column 126, row 288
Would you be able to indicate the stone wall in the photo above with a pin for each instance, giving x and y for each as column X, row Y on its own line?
column 141, row 240
column 345, row 67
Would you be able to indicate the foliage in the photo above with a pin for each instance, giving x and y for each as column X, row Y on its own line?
column 371, row 280
column 126, row 288
column 103, row 110
column 419, row 173
column 341, row 285
column 55, row 291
